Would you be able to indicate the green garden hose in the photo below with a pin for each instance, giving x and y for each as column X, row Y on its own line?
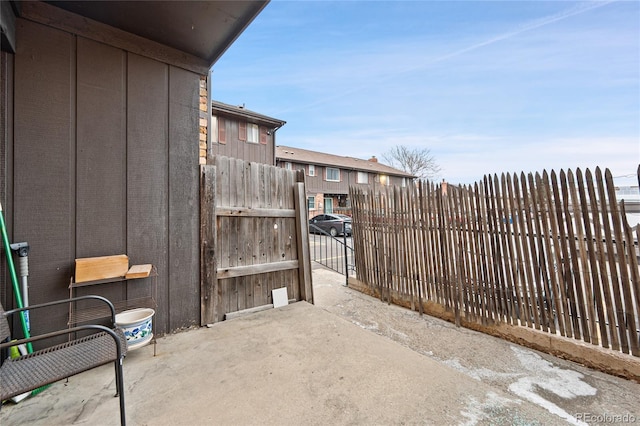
column 14, row 280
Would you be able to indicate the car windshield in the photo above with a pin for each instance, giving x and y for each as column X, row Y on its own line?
column 342, row 216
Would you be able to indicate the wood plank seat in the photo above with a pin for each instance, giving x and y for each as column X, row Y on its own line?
column 60, row 361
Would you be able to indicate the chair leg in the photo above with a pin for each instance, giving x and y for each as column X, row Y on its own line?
column 120, row 390
column 116, row 364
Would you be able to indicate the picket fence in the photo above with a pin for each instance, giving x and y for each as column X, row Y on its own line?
column 550, row 251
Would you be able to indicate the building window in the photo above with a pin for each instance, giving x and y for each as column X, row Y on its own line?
column 312, row 170
column 363, row 177
column 253, row 133
column 218, row 130
column 384, row 180
column 404, row 182
column 332, row 174
column 311, row 203
column 242, row 131
column 264, row 135
column 287, row 165
column 328, row 205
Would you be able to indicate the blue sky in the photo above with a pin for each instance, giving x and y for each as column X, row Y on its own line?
column 487, row 87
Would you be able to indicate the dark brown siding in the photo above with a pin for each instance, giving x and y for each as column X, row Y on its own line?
column 101, row 150
column 184, row 218
column 105, row 148
column 100, row 154
column 6, row 149
column 147, row 168
column 44, row 156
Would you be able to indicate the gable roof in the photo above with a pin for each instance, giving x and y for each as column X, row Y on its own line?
column 299, row 155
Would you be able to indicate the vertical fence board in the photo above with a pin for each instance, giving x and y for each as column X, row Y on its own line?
column 421, row 256
column 625, row 307
column 588, row 304
column 521, row 274
column 575, row 284
column 495, row 254
column 552, row 258
column 613, row 270
column 454, row 265
column 598, row 334
column 633, row 321
column 564, row 265
column 465, row 248
column 538, row 250
column 530, row 258
column 485, row 254
column 508, row 257
column 610, row 338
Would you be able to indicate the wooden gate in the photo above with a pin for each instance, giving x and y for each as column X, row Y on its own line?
column 253, row 236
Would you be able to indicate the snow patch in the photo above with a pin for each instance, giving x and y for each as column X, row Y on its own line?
column 373, row 326
column 476, row 411
column 477, row 373
column 566, row 384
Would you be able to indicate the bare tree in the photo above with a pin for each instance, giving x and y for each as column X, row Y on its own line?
column 417, row 161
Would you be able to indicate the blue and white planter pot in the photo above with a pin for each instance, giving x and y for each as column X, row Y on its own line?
column 137, row 325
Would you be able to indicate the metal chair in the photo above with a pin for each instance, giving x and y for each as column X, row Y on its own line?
column 60, row 361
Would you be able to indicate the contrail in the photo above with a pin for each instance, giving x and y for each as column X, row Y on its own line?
column 576, row 10
column 567, row 13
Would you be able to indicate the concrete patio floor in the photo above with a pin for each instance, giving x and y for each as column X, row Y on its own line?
column 349, row 359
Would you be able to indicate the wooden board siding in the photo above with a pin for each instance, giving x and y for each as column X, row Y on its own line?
column 6, row 149
column 105, row 147
column 147, row 169
column 101, row 185
column 251, row 240
column 235, row 148
column 184, row 219
column 317, row 184
column 44, row 202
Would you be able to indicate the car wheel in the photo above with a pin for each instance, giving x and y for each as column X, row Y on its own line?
column 333, row 231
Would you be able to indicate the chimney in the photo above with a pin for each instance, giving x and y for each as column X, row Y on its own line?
column 373, row 159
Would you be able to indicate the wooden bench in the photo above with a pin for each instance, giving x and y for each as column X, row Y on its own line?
column 60, row 361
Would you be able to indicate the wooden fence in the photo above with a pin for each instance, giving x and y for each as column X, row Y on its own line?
column 254, row 236
column 552, row 252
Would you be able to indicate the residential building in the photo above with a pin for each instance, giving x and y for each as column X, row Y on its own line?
column 102, row 121
column 240, row 133
column 328, row 177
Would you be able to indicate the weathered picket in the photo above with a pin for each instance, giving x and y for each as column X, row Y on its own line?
column 254, row 236
column 550, row 251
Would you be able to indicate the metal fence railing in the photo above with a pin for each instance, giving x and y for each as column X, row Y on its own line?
column 335, row 253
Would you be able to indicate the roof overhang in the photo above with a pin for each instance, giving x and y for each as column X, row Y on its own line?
column 240, row 111
column 201, row 29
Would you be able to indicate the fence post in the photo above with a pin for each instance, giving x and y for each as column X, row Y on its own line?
column 302, row 234
column 209, row 289
column 346, row 257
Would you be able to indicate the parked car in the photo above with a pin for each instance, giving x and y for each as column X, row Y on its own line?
column 333, row 224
